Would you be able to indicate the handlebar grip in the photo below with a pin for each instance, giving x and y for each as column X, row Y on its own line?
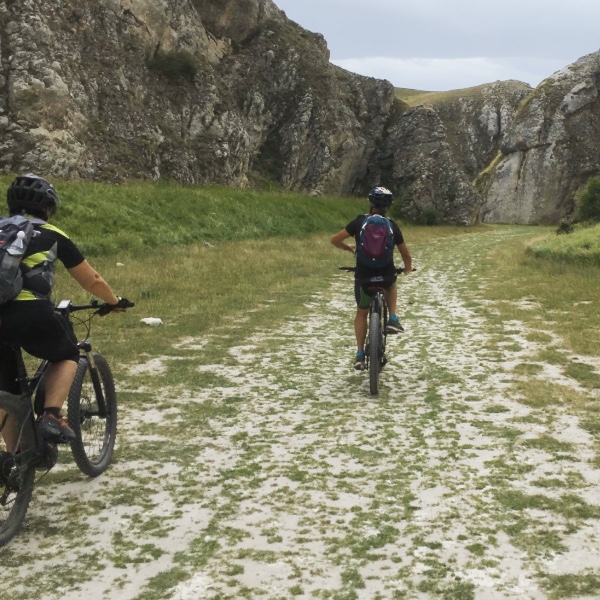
column 106, row 308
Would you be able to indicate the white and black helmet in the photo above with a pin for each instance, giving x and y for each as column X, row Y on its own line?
column 32, row 193
column 381, row 197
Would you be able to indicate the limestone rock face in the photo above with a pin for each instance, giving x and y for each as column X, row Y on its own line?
column 232, row 92
column 192, row 90
column 551, row 149
column 431, row 153
column 425, row 171
column 479, row 119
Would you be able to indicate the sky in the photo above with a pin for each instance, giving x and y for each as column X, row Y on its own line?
column 440, row 45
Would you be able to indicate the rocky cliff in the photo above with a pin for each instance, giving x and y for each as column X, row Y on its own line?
column 232, row 92
column 192, row 90
column 551, row 149
column 434, row 151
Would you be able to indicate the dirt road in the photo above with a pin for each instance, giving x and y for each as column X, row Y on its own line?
column 276, row 475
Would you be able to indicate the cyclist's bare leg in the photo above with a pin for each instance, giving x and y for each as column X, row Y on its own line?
column 9, row 432
column 391, row 298
column 59, row 378
column 360, row 327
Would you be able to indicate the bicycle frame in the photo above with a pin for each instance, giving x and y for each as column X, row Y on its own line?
column 376, row 338
column 25, row 408
column 21, row 406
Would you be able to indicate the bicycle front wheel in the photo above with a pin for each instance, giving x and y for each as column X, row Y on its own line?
column 374, row 352
column 92, row 415
column 17, row 474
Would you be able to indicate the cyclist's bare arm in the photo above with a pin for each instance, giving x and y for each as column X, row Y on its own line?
column 91, row 281
column 406, row 258
column 338, row 241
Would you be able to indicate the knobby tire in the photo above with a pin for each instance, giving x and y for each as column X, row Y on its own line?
column 13, row 513
column 374, row 351
column 94, row 445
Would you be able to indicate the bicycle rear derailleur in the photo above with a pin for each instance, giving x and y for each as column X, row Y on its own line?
column 10, row 475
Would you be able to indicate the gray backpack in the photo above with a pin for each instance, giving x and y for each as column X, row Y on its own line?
column 15, row 234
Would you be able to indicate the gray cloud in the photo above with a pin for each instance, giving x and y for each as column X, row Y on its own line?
column 522, row 39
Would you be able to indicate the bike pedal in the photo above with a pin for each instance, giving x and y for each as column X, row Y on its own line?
column 55, row 439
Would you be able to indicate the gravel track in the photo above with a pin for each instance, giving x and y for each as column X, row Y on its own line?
column 283, row 478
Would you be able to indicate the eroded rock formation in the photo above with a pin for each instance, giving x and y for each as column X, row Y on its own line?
column 232, row 92
column 551, row 149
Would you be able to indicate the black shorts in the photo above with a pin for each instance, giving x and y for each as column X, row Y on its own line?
column 34, row 326
column 363, row 295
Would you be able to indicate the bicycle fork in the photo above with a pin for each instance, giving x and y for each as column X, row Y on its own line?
column 87, row 348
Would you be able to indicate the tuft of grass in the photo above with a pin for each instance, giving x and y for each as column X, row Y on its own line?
column 580, row 247
column 540, row 394
column 549, row 444
column 571, row 585
column 528, row 368
column 584, row 374
column 175, row 65
column 566, row 291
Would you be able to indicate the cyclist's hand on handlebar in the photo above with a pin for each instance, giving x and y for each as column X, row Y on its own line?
column 122, row 305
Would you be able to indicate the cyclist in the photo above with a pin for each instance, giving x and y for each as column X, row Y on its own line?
column 380, row 200
column 29, row 320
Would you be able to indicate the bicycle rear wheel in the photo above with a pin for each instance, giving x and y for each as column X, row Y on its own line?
column 374, row 352
column 93, row 420
column 17, row 474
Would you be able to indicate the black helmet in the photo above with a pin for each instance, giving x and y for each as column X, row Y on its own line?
column 33, row 194
column 381, row 197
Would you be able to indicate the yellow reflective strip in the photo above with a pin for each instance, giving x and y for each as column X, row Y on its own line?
column 53, row 228
column 25, row 295
column 35, row 259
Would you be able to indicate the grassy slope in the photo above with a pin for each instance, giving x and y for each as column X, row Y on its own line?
column 581, row 247
column 415, row 97
column 110, row 219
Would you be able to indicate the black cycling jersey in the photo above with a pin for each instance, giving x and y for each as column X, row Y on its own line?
column 49, row 244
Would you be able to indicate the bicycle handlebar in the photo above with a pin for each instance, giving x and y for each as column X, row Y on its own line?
column 102, row 308
column 397, row 269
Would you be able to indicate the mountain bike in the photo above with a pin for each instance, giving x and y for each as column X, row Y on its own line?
column 91, row 414
column 375, row 357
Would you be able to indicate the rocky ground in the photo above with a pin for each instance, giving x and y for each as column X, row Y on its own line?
column 275, row 474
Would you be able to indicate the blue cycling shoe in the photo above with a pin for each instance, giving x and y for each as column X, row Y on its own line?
column 359, row 361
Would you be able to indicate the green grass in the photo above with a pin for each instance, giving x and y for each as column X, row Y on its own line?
column 582, row 247
column 566, row 289
column 138, row 216
column 414, row 97
column 572, row 585
column 260, row 273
